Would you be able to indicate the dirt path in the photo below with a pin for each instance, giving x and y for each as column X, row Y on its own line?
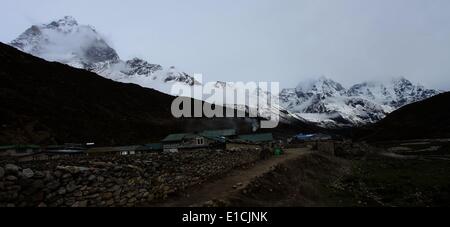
column 234, row 181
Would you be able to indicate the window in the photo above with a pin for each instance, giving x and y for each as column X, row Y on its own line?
column 200, row 141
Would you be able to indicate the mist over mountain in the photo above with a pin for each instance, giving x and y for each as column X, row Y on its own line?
column 321, row 101
column 81, row 46
column 51, row 103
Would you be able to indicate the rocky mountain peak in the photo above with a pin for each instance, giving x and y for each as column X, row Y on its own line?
column 328, row 103
column 81, row 46
column 321, row 86
column 137, row 66
column 64, row 24
column 65, row 41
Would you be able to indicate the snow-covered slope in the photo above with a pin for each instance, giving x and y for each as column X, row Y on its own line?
column 81, row 46
column 322, row 101
column 329, row 104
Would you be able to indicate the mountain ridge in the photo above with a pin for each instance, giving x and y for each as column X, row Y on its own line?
column 322, row 101
column 81, row 46
column 330, row 104
column 52, row 103
column 426, row 119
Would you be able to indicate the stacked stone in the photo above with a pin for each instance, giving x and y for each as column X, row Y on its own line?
column 110, row 181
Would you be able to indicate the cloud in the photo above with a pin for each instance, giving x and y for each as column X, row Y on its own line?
column 265, row 40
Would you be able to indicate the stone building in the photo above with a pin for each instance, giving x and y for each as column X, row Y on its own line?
column 19, row 150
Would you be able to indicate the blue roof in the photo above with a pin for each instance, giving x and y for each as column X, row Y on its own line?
column 304, row 136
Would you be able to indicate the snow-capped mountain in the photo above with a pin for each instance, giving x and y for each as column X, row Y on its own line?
column 329, row 104
column 81, row 46
column 396, row 94
column 322, row 101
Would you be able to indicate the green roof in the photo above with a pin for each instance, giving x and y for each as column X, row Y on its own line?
column 175, row 137
column 210, row 134
column 19, row 147
column 219, row 133
column 7, row 147
column 113, row 149
column 262, row 137
column 152, row 146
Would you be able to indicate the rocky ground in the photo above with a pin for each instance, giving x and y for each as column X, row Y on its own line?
column 113, row 180
column 301, row 182
column 389, row 174
column 397, row 174
column 236, row 182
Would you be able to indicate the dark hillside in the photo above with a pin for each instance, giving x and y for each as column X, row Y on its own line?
column 422, row 120
column 46, row 103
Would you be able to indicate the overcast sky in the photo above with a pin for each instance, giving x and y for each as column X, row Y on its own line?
column 265, row 40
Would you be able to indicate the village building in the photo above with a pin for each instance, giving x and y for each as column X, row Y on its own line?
column 125, row 150
column 216, row 139
column 301, row 137
column 226, row 133
column 192, row 141
column 19, row 150
column 257, row 138
column 148, row 148
column 68, row 149
column 177, row 142
column 251, row 141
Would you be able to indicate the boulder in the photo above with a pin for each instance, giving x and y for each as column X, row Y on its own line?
column 107, row 195
column 11, row 169
column 71, row 187
column 11, row 178
column 73, row 169
column 27, row 173
column 92, row 178
column 62, row 191
column 80, row 204
column 53, row 185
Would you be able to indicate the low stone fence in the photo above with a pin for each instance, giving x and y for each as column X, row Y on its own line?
column 113, row 180
column 327, row 147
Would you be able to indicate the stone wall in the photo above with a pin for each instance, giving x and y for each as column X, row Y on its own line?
column 113, row 180
column 326, row 147
column 237, row 146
